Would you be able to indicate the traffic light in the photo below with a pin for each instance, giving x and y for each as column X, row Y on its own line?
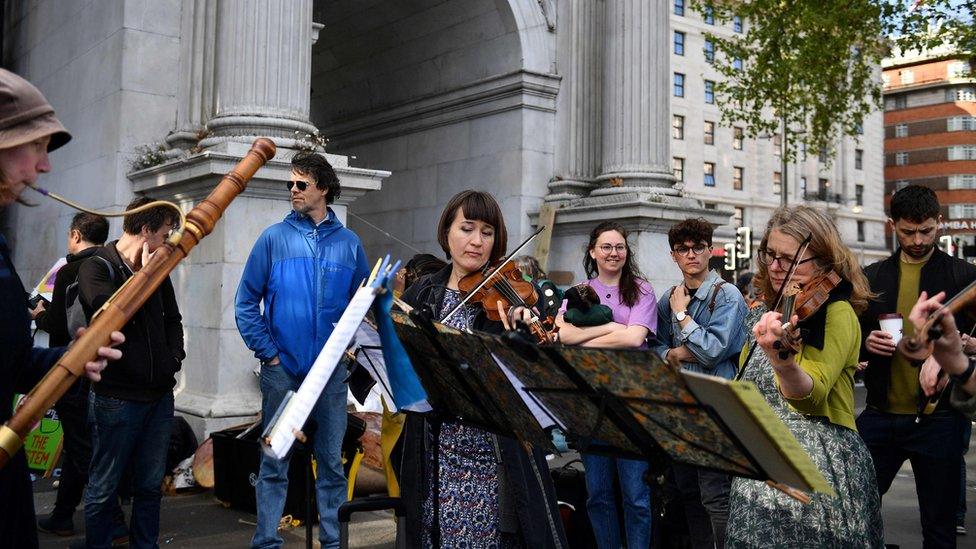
column 730, row 261
column 743, row 243
column 945, row 244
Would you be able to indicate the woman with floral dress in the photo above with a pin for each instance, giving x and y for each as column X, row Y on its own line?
column 465, row 487
column 812, row 392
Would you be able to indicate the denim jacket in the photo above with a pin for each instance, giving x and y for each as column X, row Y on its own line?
column 714, row 338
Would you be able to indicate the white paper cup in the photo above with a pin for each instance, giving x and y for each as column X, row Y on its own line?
column 892, row 324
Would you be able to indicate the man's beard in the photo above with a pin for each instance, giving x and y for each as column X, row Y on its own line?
column 913, row 253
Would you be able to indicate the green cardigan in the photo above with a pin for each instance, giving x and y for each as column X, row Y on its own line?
column 832, row 368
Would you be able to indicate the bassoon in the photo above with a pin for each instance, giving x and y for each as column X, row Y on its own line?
column 120, row 308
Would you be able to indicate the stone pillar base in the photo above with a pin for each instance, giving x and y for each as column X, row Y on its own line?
column 647, row 214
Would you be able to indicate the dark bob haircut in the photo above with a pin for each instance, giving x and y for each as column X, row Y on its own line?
column 152, row 219
column 476, row 206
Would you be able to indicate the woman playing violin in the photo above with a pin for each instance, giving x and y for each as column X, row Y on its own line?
column 472, row 488
column 806, row 375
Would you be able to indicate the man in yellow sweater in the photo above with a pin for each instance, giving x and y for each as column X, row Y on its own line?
column 934, row 445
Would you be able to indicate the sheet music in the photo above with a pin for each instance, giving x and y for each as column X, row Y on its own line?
column 300, row 406
column 369, row 355
column 539, row 411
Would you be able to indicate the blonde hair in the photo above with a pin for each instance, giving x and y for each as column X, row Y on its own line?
column 799, row 222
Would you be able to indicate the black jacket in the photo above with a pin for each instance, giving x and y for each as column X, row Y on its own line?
column 941, row 273
column 53, row 319
column 153, row 348
column 524, row 478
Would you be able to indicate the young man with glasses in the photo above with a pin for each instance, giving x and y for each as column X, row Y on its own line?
column 305, row 270
column 701, row 324
column 934, row 445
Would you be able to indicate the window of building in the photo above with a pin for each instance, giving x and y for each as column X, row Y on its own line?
column 678, row 126
column 822, row 156
column 679, row 84
column 962, row 152
column 679, row 43
column 803, row 186
column 961, row 94
column 777, row 183
column 738, row 216
column 901, row 130
column 858, row 159
column 709, row 132
column 958, row 69
column 738, row 135
column 860, row 231
column 709, row 51
column 824, row 187
column 961, row 124
column 709, row 174
column 737, row 64
column 962, row 181
column 709, row 92
column 859, row 129
column 962, row 211
column 900, row 184
column 907, row 77
column 737, row 173
column 679, row 7
column 901, row 158
column 737, row 23
column 678, row 166
column 858, row 195
column 778, row 144
column 708, row 16
column 901, row 101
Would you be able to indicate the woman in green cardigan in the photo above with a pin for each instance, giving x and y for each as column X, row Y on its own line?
column 812, row 391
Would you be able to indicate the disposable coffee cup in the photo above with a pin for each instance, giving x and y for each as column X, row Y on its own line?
column 893, row 325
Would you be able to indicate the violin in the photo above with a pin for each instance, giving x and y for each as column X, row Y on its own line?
column 803, row 302
column 502, row 282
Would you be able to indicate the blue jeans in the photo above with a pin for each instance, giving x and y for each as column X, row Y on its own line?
column 330, row 486
column 602, row 507
column 134, row 434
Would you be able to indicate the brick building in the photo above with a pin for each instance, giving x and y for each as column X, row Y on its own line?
column 930, row 136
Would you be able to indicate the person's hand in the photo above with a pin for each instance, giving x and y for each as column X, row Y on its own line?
column 769, row 335
column 514, row 314
column 968, row 344
column 679, row 299
column 681, row 354
column 947, row 350
column 93, row 369
column 146, row 256
column 36, row 311
column 928, row 377
column 861, row 366
column 880, row 343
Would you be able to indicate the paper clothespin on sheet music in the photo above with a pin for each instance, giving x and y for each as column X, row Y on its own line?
column 294, row 410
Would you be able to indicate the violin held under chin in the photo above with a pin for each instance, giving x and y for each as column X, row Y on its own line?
column 802, row 302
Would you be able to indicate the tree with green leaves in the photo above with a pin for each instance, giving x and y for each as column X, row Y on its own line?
column 812, row 67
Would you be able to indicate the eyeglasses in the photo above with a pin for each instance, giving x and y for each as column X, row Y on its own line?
column 608, row 248
column 697, row 250
column 784, row 262
column 302, row 185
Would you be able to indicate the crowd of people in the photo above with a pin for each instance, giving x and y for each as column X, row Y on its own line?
column 467, row 487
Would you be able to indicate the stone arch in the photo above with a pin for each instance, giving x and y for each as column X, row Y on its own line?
column 536, row 24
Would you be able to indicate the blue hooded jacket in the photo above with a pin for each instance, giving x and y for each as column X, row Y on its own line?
column 305, row 275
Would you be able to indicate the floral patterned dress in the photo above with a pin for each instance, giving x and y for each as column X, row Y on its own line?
column 760, row 516
column 462, row 497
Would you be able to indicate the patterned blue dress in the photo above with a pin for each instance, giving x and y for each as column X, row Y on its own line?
column 462, row 498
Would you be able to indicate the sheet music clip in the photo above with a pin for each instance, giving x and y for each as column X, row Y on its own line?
column 266, row 434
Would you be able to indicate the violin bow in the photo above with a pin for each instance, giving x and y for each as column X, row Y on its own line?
column 493, row 272
column 779, row 297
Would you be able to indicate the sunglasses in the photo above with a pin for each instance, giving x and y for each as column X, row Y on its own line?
column 302, row 185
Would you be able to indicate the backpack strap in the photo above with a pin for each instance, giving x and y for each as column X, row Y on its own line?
column 711, row 303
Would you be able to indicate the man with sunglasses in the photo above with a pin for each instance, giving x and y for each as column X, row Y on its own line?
column 701, row 324
column 934, row 445
column 304, row 270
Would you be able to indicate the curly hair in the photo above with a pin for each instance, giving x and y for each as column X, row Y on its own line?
column 152, row 219
column 316, row 166
column 694, row 230
column 914, row 203
column 826, row 246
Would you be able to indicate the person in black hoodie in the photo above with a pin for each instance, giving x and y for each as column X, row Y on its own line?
column 86, row 233
column 131, row 408
column 28, row 132
column 463, row 486
column 933, row 445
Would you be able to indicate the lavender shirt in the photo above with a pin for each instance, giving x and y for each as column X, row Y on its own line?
column 643, row 313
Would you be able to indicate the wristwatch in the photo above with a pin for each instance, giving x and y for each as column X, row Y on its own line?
column 680, row 315
column 962, row 378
